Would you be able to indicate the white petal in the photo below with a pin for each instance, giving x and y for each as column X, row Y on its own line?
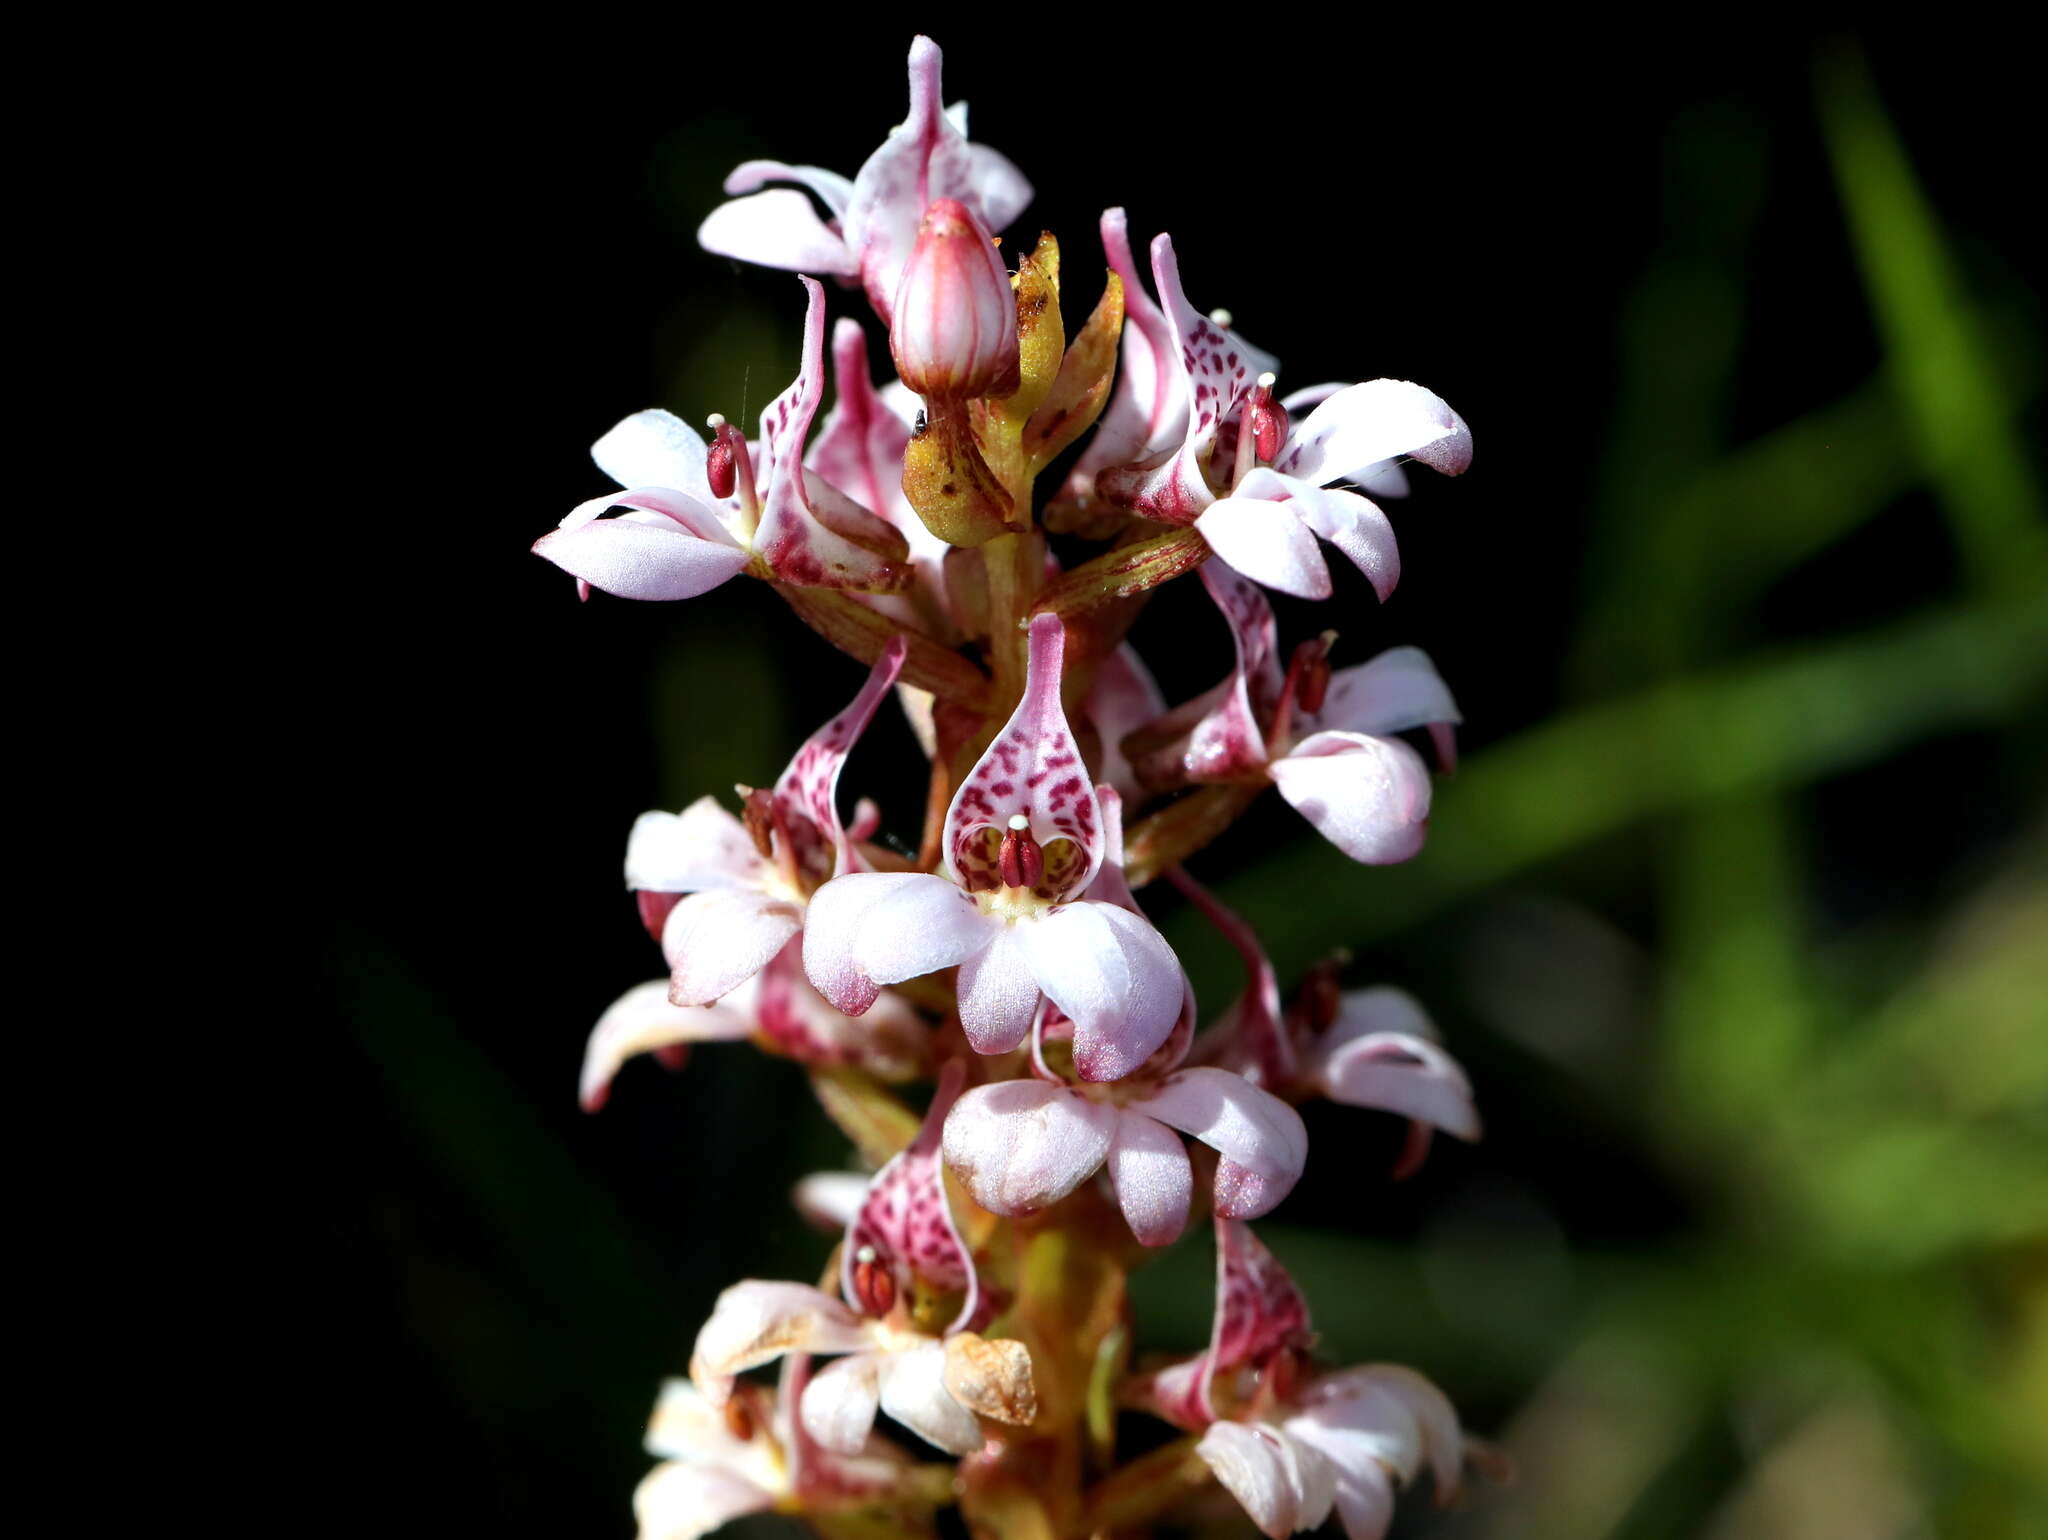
column 1022, row 1144
column 1392, row 693
column 1367, row 796
column 999, row 186
column 914, row 1393
column 1399, row 1073
column 1355, row 527
column 1407, row 1418
column 654, row 449
column 634, row 560
column 682, row 1502
column 998, row 994
column 716, row 940
column 750, row 176
column 921, row 926
column 1362, row 425
column 642, row 1020
column 839, row 1402
column 1154, row 1181
column 830, row 1199
column 1122, row 1008
column 1283, row 1485
column 777, row 228
column 1268, row 543
column 1234, row 1117
column 703, row 846
column 756, row 1321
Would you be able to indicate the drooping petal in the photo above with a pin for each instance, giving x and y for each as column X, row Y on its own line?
column 1393, row 693
column 1361, row 425
column 676, row 1501
column 1355, row 527
column 832, row 921
column 672, row 547
column 1154, row 1181
column 1234, row 1117
column 1239, row 1192
column 1282, row 1484
column 838, row 1405
column 1267, row 542
column 703, row 846
column 914, row 1393
column 810, row 784
column 642, row 1020
column 776, row 228
column 1114, row 975
column 1406, row 1416
column 1032, row 769
column 919, row 927
column 1399, row 1073
column 905, row 1225
column 998, row 993
column 755, row 1322
column 1020, row 1145
column 792, row 539
column 1363, row 1478
column 718, row 939
column 1367, row 796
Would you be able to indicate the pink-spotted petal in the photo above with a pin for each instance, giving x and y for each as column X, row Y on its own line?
column 889, row 1040
column 642, row 1020
column 1234, row 1117
column 832, row 922
column 1238, row 1192
column 839, row 1402
column 1020, row 1145
column 1392, row 693
column 670, row 547
column 1153, row 1179
column 1124, row 1002
column 756, row 1322
column 1268, row 543
column 1367, row 796
column 1219, row 366
column 1032, row 769
column 905, row 1225
column 1222, row 734
column 703, row 846
column 718, row 939
column 810, row 784
column 919, row 927
column 776, row 228
column 796, row 545
column 654, row 449
column 998, row 992
column 1362, row 425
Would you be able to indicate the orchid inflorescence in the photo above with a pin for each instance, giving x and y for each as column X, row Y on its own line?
column 977, row 1296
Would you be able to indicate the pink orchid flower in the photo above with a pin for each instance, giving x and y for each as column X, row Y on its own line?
column 1022, row 1145
column 696, row 515
column 1194, row 435
column 749, row 883
column 1290, row 1447
column 903, row 1266
column 875, row 216
column 749, row 1456
column 1372, row 1048
column 1326, row 740
column 776, row 1008
column 1022, row 841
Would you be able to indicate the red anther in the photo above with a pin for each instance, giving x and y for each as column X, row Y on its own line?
column 1309, row 673
column 873, row 1285
column 719, row 469
column 1269, row 421
column 1414, row 1151
column 1020, row 861
column 757, row 812
column 1320, row 997
column 739, row 1421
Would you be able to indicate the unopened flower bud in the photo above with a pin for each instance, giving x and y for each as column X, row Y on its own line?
column 955, row 329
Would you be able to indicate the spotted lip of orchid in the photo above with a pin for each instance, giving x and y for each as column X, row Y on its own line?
column 1325, row 739
column 697, row 516
column 1022, row 840
column 910, row 1298
column 1288, row 1445
column 748, row 882
column 874, row 217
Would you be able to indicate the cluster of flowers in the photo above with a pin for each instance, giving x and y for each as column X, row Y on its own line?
column 1011, row 962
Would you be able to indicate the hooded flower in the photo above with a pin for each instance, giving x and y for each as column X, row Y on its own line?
column 1194, row 435
column 1326, row 740
column 1289, row 1446
column 690, row 523
column 1022, row 841
column 748, row 882
column 909, row 1298
column 874, row 218
column 776, row 1008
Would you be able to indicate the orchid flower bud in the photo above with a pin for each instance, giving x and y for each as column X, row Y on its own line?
column 955, row 329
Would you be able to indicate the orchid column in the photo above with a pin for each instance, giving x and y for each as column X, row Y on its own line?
column 970, row 1339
